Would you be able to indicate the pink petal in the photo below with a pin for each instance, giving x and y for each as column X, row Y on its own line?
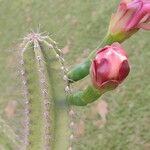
column 103, row 70
column 116, row 44
column 121, row 10
column 118, row 48
column 124, row 70
column 93, row 68
column 110, row 85
column 102, row 49
column 141, row 12
column 144, row 26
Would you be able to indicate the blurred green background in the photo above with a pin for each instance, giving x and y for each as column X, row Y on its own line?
column 121, row 120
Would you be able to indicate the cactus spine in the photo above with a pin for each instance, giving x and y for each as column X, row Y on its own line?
column 46, row 110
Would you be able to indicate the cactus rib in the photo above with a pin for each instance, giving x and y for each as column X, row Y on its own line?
column 71, row 113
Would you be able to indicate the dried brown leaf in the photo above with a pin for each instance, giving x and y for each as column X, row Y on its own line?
column 10, row 109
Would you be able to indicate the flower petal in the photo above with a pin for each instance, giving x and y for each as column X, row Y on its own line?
column 118, row 48
column 144, row 26
column 109, row 85
column 142, row 11
column 124, row 70
column 103, row 70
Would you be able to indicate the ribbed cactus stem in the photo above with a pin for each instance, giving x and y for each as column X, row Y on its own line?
column 62, row 117
column 26, row 120
column 46, row 110
column 37, row 123
column 44, row 89
column 68, row 90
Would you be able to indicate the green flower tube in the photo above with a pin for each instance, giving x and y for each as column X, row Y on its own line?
column 82, row 98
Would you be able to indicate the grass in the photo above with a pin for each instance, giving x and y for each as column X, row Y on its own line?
column 83, row 24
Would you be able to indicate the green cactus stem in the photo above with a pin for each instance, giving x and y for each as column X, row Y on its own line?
column 62, row 118
column 47, row 116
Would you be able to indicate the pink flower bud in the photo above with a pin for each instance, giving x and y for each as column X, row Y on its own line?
column 110, row 67
column 131, row 16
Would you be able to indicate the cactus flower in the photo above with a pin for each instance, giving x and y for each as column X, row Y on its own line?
column 110, row 67
column 130, row 17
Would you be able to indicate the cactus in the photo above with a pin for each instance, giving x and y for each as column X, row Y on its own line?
column 47, row 113
column 46, row 110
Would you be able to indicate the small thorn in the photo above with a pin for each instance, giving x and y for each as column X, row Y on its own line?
column 71, row 137
column 46, row 102
column 59, row 50
column 49, row 45
column 41, row 70
column 45, row 114
column 62, row 68
column 71, row 113
column 24, row 82
column 22, row 62
column 38, row 58
column 42, row 81
column 67, row 89
column 22, row 72
column 62, row 59
column 57, row 56
column 65, row 78
column 66, row 69
column 72, row 124
column 44, row 91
